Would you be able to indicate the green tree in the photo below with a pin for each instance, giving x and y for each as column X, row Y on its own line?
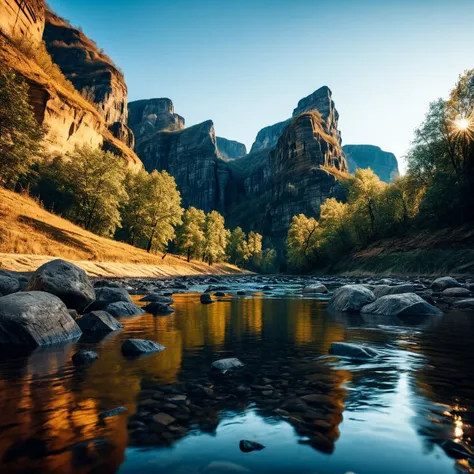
column 302, row 241
column 20, row 133
column 95, row 180
column 254, row 246
column 216, row 236
column 269, row 261
column 190, row 234
column 237, row 248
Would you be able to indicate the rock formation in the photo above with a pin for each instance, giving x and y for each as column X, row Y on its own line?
column 268, row 137
column 230, row 149
column 69, row 119
column 382, row 163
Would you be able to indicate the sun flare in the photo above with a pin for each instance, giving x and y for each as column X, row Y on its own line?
column 462, row 124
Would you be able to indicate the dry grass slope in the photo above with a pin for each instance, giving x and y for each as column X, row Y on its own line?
column 29, row 236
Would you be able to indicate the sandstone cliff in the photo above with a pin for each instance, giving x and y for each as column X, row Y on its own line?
column 384, row 164
column 230, row 149
column 268, row 137
column 69, row 119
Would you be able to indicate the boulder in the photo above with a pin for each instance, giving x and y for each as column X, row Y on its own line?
column 382, row 290
column 350, row 298
column 66, row 281
column 405, row 304
column 224, row 365
column 135, row 347
column 98, row 322
column 159, row 309
column 158, row 298
column 442, row 283
column 35, row 318
column 468, row 303
column 247, row 446
column 219, row 294
column 206, row 298
column 316, row 288
column 84, row 357
column 8, row 285
column 123, row 308
column 107, row 295
column 345, row 349
column 456, row 292
column 103, row 282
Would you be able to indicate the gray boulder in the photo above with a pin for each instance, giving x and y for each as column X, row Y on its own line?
column 345, row 349
column 316, row 288
column 107, row 295
column 35, row 318
column 66, row 281
column 350, row 298
column 83, row 357
column 456, row 292
column 103, row 282
column 405, row 304
column 98, row 322
column 134, row 347
column 122, row 308
column 442, row 283
column 8, row 285
column 468, row 303
column 382, row 290
column 157, row 298
column 206, row 298
column 159, row 309
column 224, row 365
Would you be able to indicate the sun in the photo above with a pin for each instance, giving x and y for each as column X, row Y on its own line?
column 463, row 127
column 462, row 124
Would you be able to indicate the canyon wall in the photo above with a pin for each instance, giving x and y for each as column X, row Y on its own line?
column 22, row 20
column 230, row 149
column 384, row 164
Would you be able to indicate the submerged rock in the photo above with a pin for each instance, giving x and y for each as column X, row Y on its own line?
column 135, row 347
column 224, row 365
column 315, row 289
column 158, row 298
column 247, row 446
column 98, row 322
column 206, row 298
column 382, row 290
column 157, row 308
column 219, row 294
column 35, row 318
column 122, row 308
column 442, row 283
column 84, row 357
column 65, row 280
column 345, row 349
column 349, row 298
column 401, row 305
column 113, row 412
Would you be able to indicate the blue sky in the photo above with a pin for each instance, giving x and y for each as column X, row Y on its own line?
column 246, row 63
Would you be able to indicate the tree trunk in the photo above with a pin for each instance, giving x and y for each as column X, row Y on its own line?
column 189, row 254
column 150, row 241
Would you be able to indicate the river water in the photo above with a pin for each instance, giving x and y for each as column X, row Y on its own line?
column 401, row 412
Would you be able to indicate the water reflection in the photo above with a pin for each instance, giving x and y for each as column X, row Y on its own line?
column 417, row 395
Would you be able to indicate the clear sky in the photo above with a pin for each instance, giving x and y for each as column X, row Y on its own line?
column 246, row 63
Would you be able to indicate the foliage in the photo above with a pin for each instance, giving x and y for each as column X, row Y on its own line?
column 216, row 236
column 255, row 253
column 237, row 248
column 190, row 234
column 20, row 134
column 302, row 242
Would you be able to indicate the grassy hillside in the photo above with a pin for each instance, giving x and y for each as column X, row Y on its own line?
column 29, row 236
column 441, row 252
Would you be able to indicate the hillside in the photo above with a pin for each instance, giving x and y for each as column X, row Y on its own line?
column 30, row 236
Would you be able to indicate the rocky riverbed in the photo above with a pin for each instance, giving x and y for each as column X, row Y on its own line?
column 166, row 361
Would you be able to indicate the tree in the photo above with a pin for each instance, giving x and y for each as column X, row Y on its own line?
column 216, row 237
column 237, row 248
column 95, row 180
column 163, row 210
column 302, row 241
column 254, row 246
column 190, row 234
column 20, row 133
column 269, row 261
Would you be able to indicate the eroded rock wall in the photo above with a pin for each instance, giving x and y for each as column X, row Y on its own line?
column 22, row 20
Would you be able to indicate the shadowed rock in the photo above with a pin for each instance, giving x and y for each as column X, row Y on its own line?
column 406, row 304
column 382, row 290
column 134, row 347
column 350, row 298
column 456, row 292
column 247, row 446
column 224, row 365
column 65, row 280
column 206, row 298
column 35, row 318
column 8, row 285
column 83, row 357
column 107, row 295
column 98, row 322
column 442, row 283
column 158, row 309
column 344, row 349
column 315, row 289
column 123, row 308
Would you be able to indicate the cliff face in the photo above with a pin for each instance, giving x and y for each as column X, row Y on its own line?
column 289, row 178
column 22, row 20
column 268, row 137
column 91, row 71
column 382, row 163
column 68, row 118
column 230, row 149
